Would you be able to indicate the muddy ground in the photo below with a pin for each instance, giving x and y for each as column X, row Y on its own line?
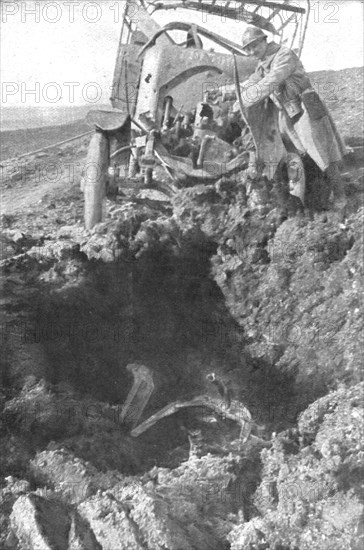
column 195, row 284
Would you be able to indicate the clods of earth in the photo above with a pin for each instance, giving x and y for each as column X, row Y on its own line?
column 202, row 282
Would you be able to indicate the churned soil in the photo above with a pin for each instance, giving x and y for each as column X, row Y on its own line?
column 199, row 282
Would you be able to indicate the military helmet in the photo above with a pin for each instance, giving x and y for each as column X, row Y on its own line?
column 252, row 34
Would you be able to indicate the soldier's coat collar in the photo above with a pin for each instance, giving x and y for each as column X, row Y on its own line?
column 272, row 49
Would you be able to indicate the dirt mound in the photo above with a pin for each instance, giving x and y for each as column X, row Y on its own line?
column 310, row 495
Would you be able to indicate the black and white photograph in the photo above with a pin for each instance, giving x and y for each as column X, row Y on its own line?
column 182, row 268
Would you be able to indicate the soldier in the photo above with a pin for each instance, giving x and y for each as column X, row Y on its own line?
column 304, row 121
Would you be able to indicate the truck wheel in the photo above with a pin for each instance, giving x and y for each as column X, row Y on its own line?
column 95, row 175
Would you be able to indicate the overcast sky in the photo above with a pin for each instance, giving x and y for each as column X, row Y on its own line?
column 65, row 51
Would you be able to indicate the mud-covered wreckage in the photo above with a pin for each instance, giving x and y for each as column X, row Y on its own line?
column 205, row 408
column 161, row 115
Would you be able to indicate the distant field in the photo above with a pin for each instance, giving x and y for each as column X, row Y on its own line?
column 26, row 129
column 17, row 118
column 342, row 92
column 18, row 142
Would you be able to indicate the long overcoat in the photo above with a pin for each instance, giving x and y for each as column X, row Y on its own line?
column 303, row 118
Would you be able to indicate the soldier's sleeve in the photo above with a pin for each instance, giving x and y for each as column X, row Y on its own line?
column 230, row 92
column 283, row 65
column 253, row 79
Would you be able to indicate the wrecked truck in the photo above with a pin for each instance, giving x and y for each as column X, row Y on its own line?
column 162, row 118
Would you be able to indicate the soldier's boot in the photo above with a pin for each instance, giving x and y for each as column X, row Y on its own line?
column 324, row 193
column 337, row 187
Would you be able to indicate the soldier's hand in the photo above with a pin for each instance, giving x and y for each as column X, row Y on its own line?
column 213, row 95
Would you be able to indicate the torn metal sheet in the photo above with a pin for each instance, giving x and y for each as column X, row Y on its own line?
column 236, row 412
column 139, row 394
